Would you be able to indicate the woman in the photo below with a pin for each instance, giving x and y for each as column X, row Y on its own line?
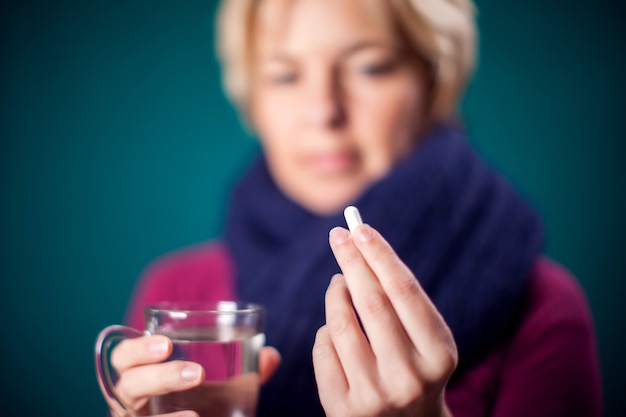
column 353, row 102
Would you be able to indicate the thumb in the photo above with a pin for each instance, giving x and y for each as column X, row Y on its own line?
column 269, row 360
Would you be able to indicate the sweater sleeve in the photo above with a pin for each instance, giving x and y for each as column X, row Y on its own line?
column 551, row 368
column 200, row 273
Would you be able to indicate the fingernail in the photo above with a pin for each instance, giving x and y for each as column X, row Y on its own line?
column 364, row 233
column 158, row 346
column 338, row 235
column 191, row 372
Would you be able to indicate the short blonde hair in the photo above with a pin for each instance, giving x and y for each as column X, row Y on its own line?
column 442, row 32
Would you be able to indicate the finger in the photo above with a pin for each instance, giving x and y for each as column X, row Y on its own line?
column 140, row 382
column 420, row 318
column 332, row 385
column 380, row 322
column 186, row 413
column 355, row 354
column 141, row 351
column 269, row 360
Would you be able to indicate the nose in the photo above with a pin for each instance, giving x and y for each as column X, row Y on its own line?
column 325, row 105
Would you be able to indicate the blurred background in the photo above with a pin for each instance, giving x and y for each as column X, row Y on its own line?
column 117, row 145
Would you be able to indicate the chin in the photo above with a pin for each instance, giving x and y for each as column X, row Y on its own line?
column 331, row 201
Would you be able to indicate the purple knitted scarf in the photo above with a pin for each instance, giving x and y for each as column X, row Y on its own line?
column 466, row 234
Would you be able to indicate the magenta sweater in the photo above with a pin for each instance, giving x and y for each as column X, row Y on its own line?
column 547, row 367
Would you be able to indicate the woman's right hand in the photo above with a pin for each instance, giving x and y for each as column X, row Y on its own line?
column 143, row 374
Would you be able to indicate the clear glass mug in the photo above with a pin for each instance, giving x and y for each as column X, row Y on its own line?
column 224, row 337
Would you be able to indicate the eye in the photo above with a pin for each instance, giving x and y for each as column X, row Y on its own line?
column 379, row 68
column 283, row 79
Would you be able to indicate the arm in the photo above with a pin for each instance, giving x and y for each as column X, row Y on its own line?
column 204, row 272
column 200, row 273
column 551, row 368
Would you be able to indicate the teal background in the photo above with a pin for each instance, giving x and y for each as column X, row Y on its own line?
column 117, row 145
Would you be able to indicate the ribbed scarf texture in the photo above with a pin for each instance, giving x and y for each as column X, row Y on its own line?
column 466, row 234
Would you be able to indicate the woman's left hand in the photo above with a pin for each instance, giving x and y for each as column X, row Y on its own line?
column 399, row 361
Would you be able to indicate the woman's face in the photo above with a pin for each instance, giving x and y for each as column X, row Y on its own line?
column 335, row 100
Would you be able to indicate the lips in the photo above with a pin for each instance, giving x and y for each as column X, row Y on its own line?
column 332, row 163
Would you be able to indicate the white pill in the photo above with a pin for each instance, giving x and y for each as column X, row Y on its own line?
column 353, row 217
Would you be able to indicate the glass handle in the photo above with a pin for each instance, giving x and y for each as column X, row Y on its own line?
column 109, row 337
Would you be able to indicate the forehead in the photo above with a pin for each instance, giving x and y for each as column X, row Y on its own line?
column 301, row 25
